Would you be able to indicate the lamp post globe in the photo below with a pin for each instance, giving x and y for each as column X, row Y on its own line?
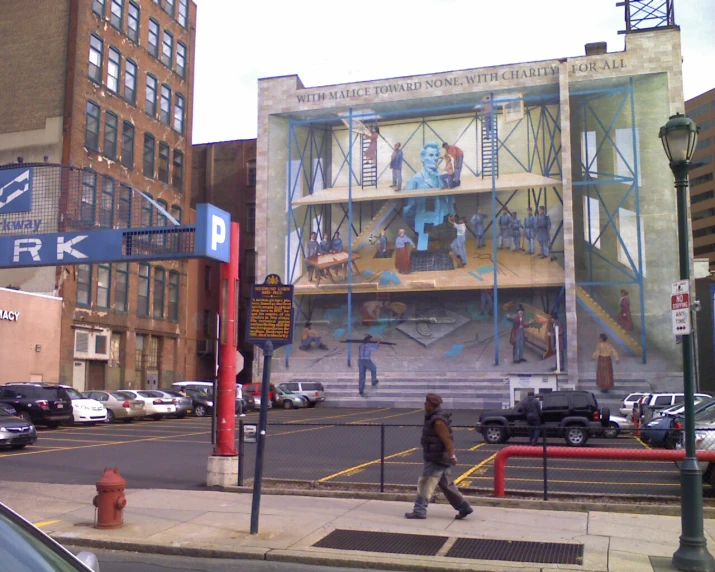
column 679, row 137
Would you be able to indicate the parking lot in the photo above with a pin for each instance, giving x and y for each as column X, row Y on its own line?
column 325, row 445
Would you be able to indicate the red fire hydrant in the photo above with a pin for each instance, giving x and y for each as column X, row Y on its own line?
column 110, row 500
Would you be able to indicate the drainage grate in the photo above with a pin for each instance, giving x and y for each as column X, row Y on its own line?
column 387, row 542
column 517, row 551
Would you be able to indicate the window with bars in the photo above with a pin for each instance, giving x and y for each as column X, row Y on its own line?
column 124, row 213
column 176, row 213
column 161, row 220
column 167, row 49
column 163, row 162
column 96, row 55
column 116, row 16
column 146, row 212
column 173, row 314
column 153, row 38
column 149, row 152
column 110, row 135
column 165, row 105
column 152, row 354
column 150, row 99
column 113, row 67
column 207, row 323
column 84, row 284
column 89, row 196
column 98, row 7
column 159, row 284
column 106, row 212
column 179, row 113
column 251, row 179
column 139, row 351
column 104, row 285
column 91, row 129
column 183, row 18
column 130, row 82
column 133, row 19
column 177, row 179
column 143, row 290
column 128, row 145
column 180, row 59
column 121, row 286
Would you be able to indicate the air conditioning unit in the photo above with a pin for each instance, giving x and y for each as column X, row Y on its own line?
column 92, row 344
column 204, row 347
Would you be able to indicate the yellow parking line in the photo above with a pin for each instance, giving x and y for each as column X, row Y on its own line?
column 45, row 523
column 463, row 476
column 388, row 417
column 339, row 416
column 363, row 465
column 477, row 446
column 320, row 427
column 642, row 443
column 68, row 440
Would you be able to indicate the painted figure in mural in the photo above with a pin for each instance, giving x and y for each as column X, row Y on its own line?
column 382, row 251
column 478, row 222
column 486, row 302
column 488, row 117
column 396, row 166
column 324, row 247
column 372, row 309
column 311, row 249
column 373, row 133
column 505, row 228
column 458, row 244
column 543, row 232
column 519, row 324
column 337, row 243
column 515, row 232
column 365, row 362
column 457, row 156
column 448, row 169
column 624, row 315
column 309, row 337
column 439, row 457
column 424, row 211
column 530, row 229
column 402, row 255
column 604, row 368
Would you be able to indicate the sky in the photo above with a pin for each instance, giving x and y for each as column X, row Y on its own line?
column 339, row 41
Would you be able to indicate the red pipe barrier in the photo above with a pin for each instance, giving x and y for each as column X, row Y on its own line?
column 595, row 453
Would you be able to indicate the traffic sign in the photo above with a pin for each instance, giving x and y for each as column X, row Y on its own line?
column 271, row 313
column 680, row 308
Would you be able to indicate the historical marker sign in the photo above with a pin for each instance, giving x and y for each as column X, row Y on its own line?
column 680, row 308
column 271, row 313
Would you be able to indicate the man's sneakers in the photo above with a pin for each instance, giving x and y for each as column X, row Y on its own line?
column 323, row 347
column 376, row 382
column 464, row 513
column 415, row 516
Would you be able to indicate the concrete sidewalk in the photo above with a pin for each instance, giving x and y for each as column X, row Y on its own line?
column 216, row 524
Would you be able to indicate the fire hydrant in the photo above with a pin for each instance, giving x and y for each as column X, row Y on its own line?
column 110, row 500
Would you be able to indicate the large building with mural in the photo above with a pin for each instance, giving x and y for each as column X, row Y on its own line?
column 485, row 222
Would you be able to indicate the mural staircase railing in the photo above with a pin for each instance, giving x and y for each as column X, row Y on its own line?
column 373, row 228
column 613, row 329
column 369, row 168
column 490, row 150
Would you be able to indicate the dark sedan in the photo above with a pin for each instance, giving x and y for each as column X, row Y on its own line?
column 15, row 433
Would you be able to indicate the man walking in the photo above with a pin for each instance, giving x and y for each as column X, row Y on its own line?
column 532, row 406
column 438, row 455
column 365, row 362
column 396, row 166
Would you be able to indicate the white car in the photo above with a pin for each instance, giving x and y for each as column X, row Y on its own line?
column 156, row 405
column 616, row 424
column 84, row 409
column 627, row 404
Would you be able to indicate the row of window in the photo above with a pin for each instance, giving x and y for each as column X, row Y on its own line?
column 110, row 146
column 116, row 14
column 698, row 111
column 702, row 197
column 707, row 249
column 117, row 276
column 703, row 144
column 705, row 125
column 155, row 98
column 707, row 231
column 701, row 180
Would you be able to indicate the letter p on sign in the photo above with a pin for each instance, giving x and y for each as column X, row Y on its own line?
column 213, row 227
column 218, row 231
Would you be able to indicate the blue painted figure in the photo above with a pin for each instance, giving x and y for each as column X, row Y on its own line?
column 517, row 333
column 530, row 229
column 505, row 227
column 337, row 244
column 396, row 166
column 543, row 230
column 515, row 232
column 422, row 211
column 478, row 222
column 365, row 362
column 382, row 245
column 486, row 300
column 324, row 247
column 458, row 244
column 309, row 337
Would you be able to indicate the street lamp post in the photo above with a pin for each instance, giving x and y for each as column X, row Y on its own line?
column 679, row 137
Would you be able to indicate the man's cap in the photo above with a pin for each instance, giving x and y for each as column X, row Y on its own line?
column 433, row 398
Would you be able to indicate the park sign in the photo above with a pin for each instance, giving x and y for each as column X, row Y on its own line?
column 271, row 313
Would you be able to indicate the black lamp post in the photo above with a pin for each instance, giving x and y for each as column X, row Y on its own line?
column 679, row 137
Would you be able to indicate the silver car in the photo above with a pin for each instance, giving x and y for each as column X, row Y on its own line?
column 288, row 400
column 313, row 391
column 182, row 402
column 156, row 405
column 118, row 406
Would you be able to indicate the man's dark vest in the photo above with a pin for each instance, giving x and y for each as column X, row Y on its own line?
column 432, row 447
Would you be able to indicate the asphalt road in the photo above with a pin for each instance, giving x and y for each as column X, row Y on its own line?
column 320, row 444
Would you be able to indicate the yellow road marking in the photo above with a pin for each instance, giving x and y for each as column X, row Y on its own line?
column 352, row 470
column 45, row 523
column 477, row 447
column 68, row 440
column 339, row 416
column 642, row 443
column 320, row 427
column 463, row 476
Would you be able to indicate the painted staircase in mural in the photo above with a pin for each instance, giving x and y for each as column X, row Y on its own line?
column 368, row 177
column 372, row 229
column 604, row 318
column 490, row 150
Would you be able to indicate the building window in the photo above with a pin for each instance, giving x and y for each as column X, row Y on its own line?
column 628, row 229
column 89, row 196
column 150, row 101
column 117, row 14
column 139, row 352
column 173, row 295
column 207, row 278
column 177, row 178
column 146, row 213
column 250, row 266
column 251, row 218
column 159, row 278
column 113, row 63
column 161, row 220
column 153, row 38
column 181, row 59
column 702, row 197
column 176, row 213
column 183, row 12
column 251, row 174
column 163, row 162
column 104, row 281
column 121, row 282
column 143, row 291
column 130, row 82
column 592, row 221
column 179, row 113
column 124, row 213
column 169, row 7
column 84, row 284
column 110, row 135
column 128, row 145
column 133, row 22
column 702, row 179
column 91, row 129
column 106, row 212
column 96, row 51
column 703, row 144
column 98, row 7
column 167, row 49
column 589, row 160
column 149, row 150
column 207, row 323
column 165, row 110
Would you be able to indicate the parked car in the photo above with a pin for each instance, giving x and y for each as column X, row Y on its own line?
column 85, row 409
column 15, row 432
column 39, row 404
column 202, row 402
column 25, row 547
column 118, row 405
column 574, row 415
column 704, row 440
column 288, row 400
column 616, row 424
column 627, row 404
column 242, row 402
column 184, row 404
column 312, row 390
column 654, row 402
column 254, row 389
column 156, row 405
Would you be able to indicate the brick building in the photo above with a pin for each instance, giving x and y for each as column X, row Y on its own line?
column 223, row 174
column 106, row 86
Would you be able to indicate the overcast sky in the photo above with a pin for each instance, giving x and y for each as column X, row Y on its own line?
column 339, row 41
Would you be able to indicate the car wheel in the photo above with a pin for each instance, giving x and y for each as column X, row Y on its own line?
column 200, row 411
column 25, row 416
column 605, row 415
column 18, row 446
column 612, row 431
column 576, row 436
column 157, row 417
column 494, row 434
column 671, row 440
column 287, row 404
column 110, row 416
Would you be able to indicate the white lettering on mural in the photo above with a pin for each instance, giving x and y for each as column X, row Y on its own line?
column 10, row 315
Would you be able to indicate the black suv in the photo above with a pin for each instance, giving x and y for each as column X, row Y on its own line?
column 40, row 404
column 574, row 415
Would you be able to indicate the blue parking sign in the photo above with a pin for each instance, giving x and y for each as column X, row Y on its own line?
column 213, row 228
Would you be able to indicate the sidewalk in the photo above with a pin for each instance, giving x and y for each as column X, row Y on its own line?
column 216, row 524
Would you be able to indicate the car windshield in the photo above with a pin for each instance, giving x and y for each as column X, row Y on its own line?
column 5, row 412
column 124, row 395
column 74, row 394
column 150, row 394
